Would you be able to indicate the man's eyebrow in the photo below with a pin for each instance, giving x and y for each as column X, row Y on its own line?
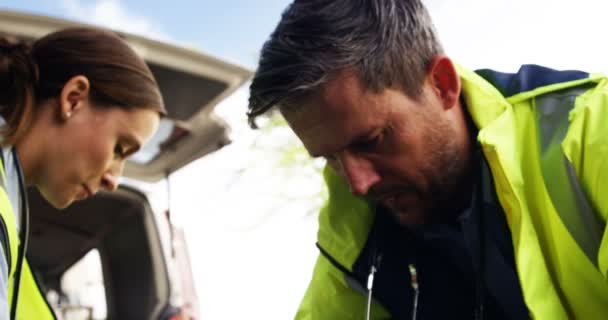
column 359, row 138
column 363, row 137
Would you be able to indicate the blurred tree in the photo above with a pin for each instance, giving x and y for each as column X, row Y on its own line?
column 291, row 161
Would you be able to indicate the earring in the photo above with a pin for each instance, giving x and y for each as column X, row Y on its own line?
column 68, row 114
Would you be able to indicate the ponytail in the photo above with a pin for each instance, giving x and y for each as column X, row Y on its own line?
column 18, row 82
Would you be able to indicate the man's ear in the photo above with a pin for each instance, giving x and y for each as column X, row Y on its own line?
column 445, row 80
column 74, row 94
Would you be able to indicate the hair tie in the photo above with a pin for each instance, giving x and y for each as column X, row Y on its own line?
column 18, row 54
column 11, row 46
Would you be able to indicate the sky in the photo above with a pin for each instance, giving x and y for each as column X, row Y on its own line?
column 249, row 226
column 208, row 25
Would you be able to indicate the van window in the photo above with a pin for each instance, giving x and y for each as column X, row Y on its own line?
column 83, row 295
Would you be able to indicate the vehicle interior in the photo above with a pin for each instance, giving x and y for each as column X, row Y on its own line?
column 122, row 228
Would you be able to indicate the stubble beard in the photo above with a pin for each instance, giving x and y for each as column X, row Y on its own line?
column 447, row 171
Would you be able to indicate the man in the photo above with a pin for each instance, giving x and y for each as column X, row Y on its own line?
column 446, row 186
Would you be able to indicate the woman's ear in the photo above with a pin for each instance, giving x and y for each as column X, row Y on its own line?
column 445, row 80
column 74, row 94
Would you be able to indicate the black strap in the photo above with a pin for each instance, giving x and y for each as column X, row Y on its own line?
column 23, row 235
column 480, row 275
column 488, row 236
column 3, row 229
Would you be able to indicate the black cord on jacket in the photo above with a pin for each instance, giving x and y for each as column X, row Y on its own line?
column 23, row 235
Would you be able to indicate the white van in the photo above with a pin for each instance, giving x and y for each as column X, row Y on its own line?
column 117, row 255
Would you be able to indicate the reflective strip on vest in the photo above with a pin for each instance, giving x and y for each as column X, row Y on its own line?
column 8, row 219
column 552, row 111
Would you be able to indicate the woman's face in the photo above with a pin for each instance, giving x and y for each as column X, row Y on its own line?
column 89, row 150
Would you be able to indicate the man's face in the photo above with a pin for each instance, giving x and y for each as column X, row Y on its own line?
column 406, row 153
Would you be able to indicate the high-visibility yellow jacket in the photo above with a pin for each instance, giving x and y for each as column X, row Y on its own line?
column 544, row 136
column 31, row 303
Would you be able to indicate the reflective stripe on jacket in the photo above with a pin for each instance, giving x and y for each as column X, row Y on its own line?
column 547, row 147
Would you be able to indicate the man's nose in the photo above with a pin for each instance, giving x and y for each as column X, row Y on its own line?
column 109, row 180
column 359, row 172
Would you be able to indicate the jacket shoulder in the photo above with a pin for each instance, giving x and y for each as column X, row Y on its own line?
column 528, row 78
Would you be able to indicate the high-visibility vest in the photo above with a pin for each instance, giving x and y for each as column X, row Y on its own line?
column 31, row 303
column 545, row 138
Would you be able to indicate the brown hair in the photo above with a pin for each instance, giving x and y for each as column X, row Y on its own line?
column 31, row 75
column 389, row 43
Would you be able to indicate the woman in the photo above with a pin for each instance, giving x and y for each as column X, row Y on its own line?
column 73, row 107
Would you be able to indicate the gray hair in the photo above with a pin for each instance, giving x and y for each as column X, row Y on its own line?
column 389, row 43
